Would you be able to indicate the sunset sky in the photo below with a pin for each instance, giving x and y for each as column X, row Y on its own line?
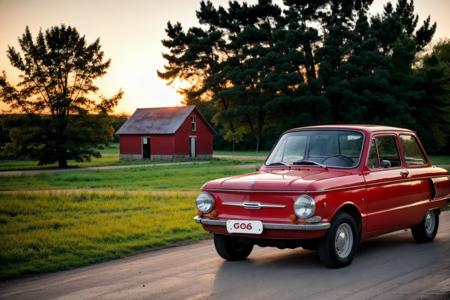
column 130, row 34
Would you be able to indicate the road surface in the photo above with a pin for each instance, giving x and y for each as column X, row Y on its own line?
column 387, row 267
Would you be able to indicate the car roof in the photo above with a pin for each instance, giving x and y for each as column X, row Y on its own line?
column 360, row 127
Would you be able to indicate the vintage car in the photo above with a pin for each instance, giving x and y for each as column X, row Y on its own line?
column 327, row 188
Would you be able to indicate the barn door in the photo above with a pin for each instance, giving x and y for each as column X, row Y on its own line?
column 146, row 149
column 192, row 146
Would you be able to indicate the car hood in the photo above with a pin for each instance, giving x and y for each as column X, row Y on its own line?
column 308, row 179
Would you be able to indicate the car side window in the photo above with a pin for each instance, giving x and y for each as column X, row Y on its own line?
column 383, row 153
column 373, row 162
column 411, row 150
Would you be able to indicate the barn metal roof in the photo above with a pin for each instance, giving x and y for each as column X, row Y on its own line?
column 157, row 120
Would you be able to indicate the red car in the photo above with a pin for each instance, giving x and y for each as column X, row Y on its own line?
column 327, row 188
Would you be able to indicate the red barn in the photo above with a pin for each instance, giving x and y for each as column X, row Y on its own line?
column 166, row 133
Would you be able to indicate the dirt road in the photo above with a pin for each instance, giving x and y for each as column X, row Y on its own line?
column 388, row 267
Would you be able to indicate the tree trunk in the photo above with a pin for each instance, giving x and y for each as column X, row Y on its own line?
column 62, row 162
column 257, row 143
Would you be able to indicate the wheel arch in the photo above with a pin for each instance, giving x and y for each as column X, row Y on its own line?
column 353, row 210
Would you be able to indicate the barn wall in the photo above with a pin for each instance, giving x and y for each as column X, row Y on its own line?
column 130, row 144
column 162, row 144
column 203, row 134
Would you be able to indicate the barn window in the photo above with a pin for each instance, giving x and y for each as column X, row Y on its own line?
column 194, row 124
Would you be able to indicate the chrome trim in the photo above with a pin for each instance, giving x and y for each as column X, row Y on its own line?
column 305, row 227
column 254, row 205
column 315, row 219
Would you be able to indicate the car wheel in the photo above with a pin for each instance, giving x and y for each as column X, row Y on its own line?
column 337, row 248
column 232, row 248
column 426, row 230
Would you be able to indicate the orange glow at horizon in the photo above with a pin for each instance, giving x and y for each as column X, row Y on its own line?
column 130, row 34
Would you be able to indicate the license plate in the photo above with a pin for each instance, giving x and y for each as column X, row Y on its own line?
column 244, row 226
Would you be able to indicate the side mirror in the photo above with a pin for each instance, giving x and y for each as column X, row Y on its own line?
column 385, row 163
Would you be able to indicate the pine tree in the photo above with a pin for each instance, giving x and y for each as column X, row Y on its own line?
column 266, row 69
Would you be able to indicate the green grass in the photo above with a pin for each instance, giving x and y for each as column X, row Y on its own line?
column 176, row 177
column 440, row 159
column 88, row 216
column 110, row 156
column 260, row 154
column 43, row 232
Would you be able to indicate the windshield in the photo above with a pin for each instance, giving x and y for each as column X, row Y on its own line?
column 331, row 148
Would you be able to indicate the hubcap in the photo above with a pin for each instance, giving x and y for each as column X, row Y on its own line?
column 430, row 221
column 343, row 241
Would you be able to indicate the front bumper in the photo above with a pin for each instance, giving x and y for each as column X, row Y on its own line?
column 276, row 226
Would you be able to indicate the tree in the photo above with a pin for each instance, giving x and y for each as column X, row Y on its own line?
column 375, row 81
column 56, row 91
column 432, row 111
column 270, row 68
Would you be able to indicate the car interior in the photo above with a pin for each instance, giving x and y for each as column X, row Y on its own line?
column 384, row 153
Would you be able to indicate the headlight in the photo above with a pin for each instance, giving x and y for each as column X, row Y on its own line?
column 304, row 206
column 205, row 202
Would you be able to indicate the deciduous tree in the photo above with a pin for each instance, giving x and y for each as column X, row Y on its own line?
column 66, row 118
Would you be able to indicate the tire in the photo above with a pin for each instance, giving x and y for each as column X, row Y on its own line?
column 232, row 248
column 426, row 230
column 335, row 253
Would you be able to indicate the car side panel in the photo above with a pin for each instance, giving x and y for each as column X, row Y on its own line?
column 440, row 186
column 388, row 195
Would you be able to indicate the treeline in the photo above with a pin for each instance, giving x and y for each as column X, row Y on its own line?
column 15, row 142
column 256, row 70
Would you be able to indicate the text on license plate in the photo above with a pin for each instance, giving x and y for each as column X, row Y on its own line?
column 244, row 226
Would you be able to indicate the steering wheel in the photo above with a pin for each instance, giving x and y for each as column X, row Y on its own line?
column 348, row 161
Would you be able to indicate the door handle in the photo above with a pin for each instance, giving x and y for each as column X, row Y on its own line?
column 404, row 173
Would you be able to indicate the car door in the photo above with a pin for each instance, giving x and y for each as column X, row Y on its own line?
column 386, row 189
column 418, row 169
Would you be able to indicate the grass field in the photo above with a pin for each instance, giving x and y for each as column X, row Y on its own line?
column 440, row 159
column 86, row 216
column 52, row 231
column 110, row 157
column 259, row 154
column 176, row 177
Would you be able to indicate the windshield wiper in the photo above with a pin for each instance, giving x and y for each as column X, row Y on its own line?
column 278, row 163
column 308, row 163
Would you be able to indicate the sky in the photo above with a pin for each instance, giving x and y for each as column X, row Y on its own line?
column 130, row 33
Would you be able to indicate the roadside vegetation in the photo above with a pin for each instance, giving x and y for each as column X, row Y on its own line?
column 172, row 178
column 109, row 157
column 50, row 231
column 443, row 160
column 259, row 154
column 58, row 221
